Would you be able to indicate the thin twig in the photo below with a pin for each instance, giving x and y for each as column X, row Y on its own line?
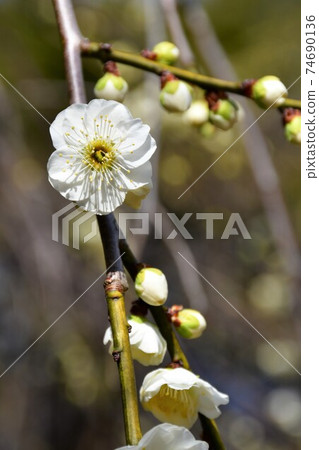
column 104, row 52
column 115, row 284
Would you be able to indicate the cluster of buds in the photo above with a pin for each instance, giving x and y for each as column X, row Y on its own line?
column 267, row 91
column 292, row 125
column 189, row 323
column 222, row 110
column 176, row 95
column 111, row 86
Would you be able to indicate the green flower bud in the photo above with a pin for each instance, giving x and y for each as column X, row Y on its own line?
column 151, row 286
column 207, row 130
column 197, row 114
column 293, row 130
column 269, row 91
column 176, row 96
column 111, row 87
column 166, row 52
column 224, row 114
column 189, row 323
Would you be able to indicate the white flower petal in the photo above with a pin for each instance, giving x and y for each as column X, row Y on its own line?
column 56, row 130
column 137, row 155
column 209, row 399
column 115, row 111
column 169, row 437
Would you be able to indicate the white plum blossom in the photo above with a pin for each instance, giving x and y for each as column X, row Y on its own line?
column 168, row 437
column 269, row 91
column 147, row 344
column 102, row 154
column 151, row 286
column 177, row 396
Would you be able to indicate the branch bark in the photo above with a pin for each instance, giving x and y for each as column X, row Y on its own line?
column 104, row 52
column 115, row 284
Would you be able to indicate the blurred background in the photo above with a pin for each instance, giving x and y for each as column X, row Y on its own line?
column 64, row 392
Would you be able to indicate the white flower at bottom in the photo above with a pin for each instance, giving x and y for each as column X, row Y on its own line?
column 168, row 437
column 102, row 153
column 147, row 344
column 177, row 396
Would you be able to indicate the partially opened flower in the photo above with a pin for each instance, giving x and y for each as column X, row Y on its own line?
column 147, row 344
column 101, row 155
column 177, row 396
column 168, row 437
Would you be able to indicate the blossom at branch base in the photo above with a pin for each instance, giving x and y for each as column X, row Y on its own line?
column 168, row 437
column 151, row 286
column 177, row 396
column 147, row 344
column 111, row 87
column 223, row 114
column 269, row 91
column 166, row 52
column 102, row 154
column 176, row 96
column 197, row 114
column 189, row 323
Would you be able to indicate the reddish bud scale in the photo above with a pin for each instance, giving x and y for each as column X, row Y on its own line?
column 149, row 54
column 247, row 86
column 289, row 114
column 167, row 76
column 111, row 67
column 212, row 98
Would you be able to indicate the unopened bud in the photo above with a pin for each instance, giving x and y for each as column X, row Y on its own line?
column 189, row 323
column 292, row 123
column 166, row 52
column 268, row 91
column 151, row 286
column 223, row 114
column 111, row 87
column 197, row 114
column 176, row 96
